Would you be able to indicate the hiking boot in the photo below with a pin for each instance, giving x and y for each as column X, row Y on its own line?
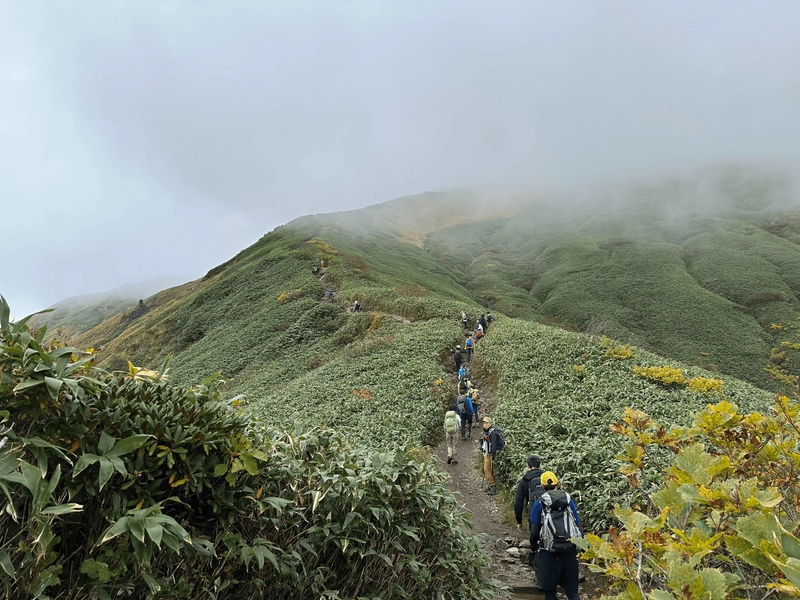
column 455, row 462
column 492, row 490
column 449, row 459
column 463, row 439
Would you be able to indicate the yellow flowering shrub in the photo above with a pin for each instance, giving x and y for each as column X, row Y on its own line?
column 665, row 375
column 285, row 297
column 579, row 371
column 705, row 385
column 619, row 352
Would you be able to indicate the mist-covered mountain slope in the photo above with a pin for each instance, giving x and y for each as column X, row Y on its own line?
column 80, row 313
column 703, row 268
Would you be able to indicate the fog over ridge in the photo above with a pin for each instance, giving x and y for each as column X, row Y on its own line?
column 153, row 139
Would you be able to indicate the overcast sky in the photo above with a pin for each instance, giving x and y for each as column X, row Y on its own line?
column 140, row 138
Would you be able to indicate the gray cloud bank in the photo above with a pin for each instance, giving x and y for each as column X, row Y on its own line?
column 147, row 138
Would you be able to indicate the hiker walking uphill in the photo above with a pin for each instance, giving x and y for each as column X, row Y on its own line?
column 469, row 346
column 554, row 522
column 492, row 443
column 464, row 320
column 472, row 393
column 457, row 358
column 465, row 410
column 529, row 490
column 452, row 423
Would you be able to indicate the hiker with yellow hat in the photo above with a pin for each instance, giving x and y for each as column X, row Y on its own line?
column 554, row 523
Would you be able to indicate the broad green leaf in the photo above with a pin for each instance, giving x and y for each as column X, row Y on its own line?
column 6, row 564
column 63, row 509
column 136, row 525
column 114, row 530
column 106, row 443
column 250, row 464
column 28, row 384
column 106, row 471
column 790, row 544
column 154, row 530
column 83, row 462
column 129, row 444
column 53, row 386
column 220, row 469
column 791, row 568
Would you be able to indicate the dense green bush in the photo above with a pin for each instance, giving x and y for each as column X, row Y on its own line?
column 127, row 486
column 723, row 521
column 559, row 392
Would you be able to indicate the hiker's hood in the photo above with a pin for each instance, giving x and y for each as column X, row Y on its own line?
column 533, row 474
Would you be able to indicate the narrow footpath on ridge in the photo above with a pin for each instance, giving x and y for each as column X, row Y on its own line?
column 507, row 547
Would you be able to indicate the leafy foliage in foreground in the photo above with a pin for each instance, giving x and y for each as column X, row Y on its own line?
column 558, row 393
column 127, row 486
column 723, row 523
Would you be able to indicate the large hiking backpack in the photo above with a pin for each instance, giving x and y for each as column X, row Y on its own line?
column 461, row 405
column 468, row 343
column 450, row 422
column 500, row 441
column 558, row 522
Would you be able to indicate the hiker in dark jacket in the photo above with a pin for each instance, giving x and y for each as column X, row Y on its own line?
column 529, row 487
column 483, row 323
column 465, row 411
column 457, row 357
column 558, row 566
column 489, row 319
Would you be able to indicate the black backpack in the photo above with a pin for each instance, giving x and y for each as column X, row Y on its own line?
column 535, row 491
column 558, row 522
column 500, row 440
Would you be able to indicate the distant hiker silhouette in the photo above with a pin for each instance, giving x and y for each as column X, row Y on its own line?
column 457, row 357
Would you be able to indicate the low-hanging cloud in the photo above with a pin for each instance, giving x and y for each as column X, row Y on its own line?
column 176, row 133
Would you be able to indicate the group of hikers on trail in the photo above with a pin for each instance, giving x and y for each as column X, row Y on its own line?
column 465, row 411
column 551, row 513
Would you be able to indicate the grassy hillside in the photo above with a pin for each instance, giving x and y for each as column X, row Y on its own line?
column 558, row 392
column 381, row 376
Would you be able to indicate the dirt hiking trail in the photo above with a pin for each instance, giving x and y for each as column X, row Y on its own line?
column 507, row 547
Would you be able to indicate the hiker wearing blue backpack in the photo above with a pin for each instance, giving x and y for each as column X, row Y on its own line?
column 469, row 346
column 554, row 523
column 465, row 410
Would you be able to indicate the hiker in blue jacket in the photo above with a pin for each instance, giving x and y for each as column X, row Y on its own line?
column 465, row 410
column 557, row 555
